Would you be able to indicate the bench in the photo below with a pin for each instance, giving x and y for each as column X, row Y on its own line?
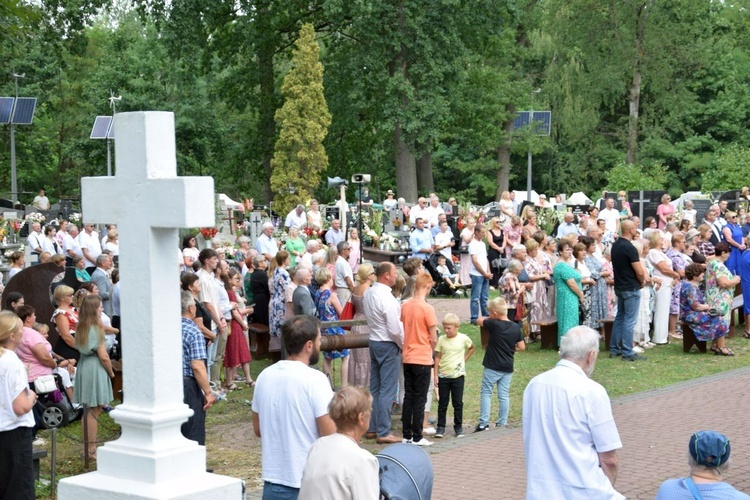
column 36, row 455
column 260, row 336
column 378, row 255
column 689, row 340
column 606, row 330
column 547, row 333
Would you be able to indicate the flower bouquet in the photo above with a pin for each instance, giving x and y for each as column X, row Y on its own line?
column 35, row 217
column 75, row 218
column 208, row 233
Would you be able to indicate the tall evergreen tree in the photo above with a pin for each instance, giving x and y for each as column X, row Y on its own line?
column 299, row 156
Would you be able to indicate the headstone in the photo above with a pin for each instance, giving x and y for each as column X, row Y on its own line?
column 253, row 226
column 392, row 218
column 148, row 202
column 701, row 206
column 652, row 200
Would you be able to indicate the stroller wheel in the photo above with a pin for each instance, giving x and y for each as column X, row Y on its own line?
column 54, row 416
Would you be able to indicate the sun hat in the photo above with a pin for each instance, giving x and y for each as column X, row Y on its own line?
column 690, row 235
column 709, row 448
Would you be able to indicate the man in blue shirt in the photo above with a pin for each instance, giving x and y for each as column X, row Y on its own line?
column 421, row 241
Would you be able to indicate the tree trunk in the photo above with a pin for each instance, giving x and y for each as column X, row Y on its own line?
column 425, row 180
column 267, row 122
column 503, row 154
column 406, row 169
column 635, row 86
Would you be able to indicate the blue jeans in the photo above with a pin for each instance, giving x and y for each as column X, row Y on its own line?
column 480, row 293
column 385, row 363
column 491, row 378
column 273, row 491
column 628, row 303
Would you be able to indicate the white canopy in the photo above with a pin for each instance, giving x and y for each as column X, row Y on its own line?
column 521, row 196
column 578, row 198
column 228, row 202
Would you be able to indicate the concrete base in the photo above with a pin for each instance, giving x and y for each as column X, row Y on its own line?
column 96, row 485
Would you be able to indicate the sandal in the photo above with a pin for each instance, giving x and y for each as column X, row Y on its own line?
column 724, row 351
column 250, row 384
column 232, row 387
column 715, row 350
column 746, row 335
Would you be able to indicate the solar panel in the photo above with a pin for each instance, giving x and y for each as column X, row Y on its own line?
column 542, row 121
column 23, row 112
column 111, row 134
column 101, row 127
column 6, row 107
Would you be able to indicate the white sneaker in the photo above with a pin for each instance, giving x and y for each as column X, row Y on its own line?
column 429, row 431
column 637, row 349
column 43, row 442
column 422, row 442
column 406, row 441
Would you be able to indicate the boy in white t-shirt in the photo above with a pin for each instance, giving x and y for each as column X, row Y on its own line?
column 453, row 351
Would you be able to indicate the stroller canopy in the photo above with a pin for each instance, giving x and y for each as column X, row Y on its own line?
column 405, row 472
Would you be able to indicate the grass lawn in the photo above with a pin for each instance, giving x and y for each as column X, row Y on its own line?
column 233, row 449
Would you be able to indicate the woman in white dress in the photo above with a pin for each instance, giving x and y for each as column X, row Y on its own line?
column 314, row 219
column 467, row 234
column 662, row 270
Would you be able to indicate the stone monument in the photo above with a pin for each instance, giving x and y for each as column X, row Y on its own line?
column 149, row 202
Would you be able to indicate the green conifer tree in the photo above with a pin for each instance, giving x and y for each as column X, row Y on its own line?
column 299, row 156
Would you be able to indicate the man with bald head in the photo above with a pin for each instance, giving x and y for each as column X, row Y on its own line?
column 630, row 276
column 418, row 211
column 567, row 226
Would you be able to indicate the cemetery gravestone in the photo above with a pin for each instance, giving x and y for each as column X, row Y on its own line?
column 149, row 202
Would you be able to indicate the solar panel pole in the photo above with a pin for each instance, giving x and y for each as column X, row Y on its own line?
column 528, row 166
column 13, row 177
column 112, row 100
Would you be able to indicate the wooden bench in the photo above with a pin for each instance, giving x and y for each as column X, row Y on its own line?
column 378, row 255
column 689, row 340
column 260, row 336
column 547, row 333
column 606, row 330
column 36, row 455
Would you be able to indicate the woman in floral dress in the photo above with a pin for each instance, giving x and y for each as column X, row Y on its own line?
column 549, row 259
column 679, row 262
column 598, row 309
column 512, row 234
column 276, row 308
column 329, row 307
column 694, row 309
column 538, row 276
column 719, row 282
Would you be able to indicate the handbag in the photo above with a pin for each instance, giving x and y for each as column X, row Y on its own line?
column 45, row 384
column 347, row 313
column 520, row 305
column 500, row 263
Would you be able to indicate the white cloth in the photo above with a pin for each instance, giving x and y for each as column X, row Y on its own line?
column 417, row 212
column 295, row 220
column 34, row 239
column 289, row 396
column 12, row 383
column 567, row 421
column 224, row 305
column 114, row 247
column 337, row 468
column 383, row 313
column 71, row 244
column 611, row 216
column 41, row 202
column 478, row 248
column 343, row 269
column 444, row 239
column 92, row 244
column 315, row 218
column 50, row 245
column 266, row 245
column 433, row 214
column 689, row 215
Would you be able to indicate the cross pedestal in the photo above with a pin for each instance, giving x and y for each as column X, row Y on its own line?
column 151, row 459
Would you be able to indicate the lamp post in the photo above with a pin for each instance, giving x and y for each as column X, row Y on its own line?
column 13, row 176
column 528, row 166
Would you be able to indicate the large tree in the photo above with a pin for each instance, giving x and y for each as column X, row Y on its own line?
column 299, row 157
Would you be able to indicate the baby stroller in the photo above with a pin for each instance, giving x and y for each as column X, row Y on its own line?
column 405, row 472
column 54, row 408
column 441, row 287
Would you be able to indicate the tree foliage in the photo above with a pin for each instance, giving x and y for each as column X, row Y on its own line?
column 303, row 120
column 730, row 169
column 636, row 177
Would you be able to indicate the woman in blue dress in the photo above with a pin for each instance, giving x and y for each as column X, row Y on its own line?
column 694, row 312
column 328, row 306
column 569, row 290
column 733, row 235
column 276, row 309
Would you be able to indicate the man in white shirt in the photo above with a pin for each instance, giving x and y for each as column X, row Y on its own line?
column 479, row 273
column 418, row 211
column 343, row 278
column 444, row 239
column 71, row 247
column 265, row 244
column 434, row 211
column 296, row 218
column 569, row 434
column 41, row 201
column 290, row 408
column 34, row 241
column 383, row 313
column 209, row 297
column 611, row 216
column 91, row 247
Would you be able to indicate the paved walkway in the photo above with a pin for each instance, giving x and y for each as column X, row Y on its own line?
column 654, row 427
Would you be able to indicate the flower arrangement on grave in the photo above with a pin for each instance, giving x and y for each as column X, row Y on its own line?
column 208, row 233
column 75, row 218
column 388, row 242
column 11, row 251
column 309, row 233
column 547, row 218
column 35, row 217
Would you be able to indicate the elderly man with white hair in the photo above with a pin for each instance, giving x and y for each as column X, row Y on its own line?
column 568, row 428
column 567, row 226
column 296, row 218
column 311, row 247
column 265, row 244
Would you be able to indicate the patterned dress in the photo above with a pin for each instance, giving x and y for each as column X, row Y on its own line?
column 582, row 268
column 359, row 362
column 679, row 262
column 720, row 298
column 540, row 305
column 705, row 326
column 598, row 309
column 512, row 236
column 326, row 312
column 276, row 308
column 567, row 301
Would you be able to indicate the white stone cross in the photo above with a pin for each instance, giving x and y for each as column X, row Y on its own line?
column 148, row 202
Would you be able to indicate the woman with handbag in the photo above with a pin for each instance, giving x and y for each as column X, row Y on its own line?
column 328, row 307
column 512, row 290
column 16, row 417
column 496, row 249
column 93, row 386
